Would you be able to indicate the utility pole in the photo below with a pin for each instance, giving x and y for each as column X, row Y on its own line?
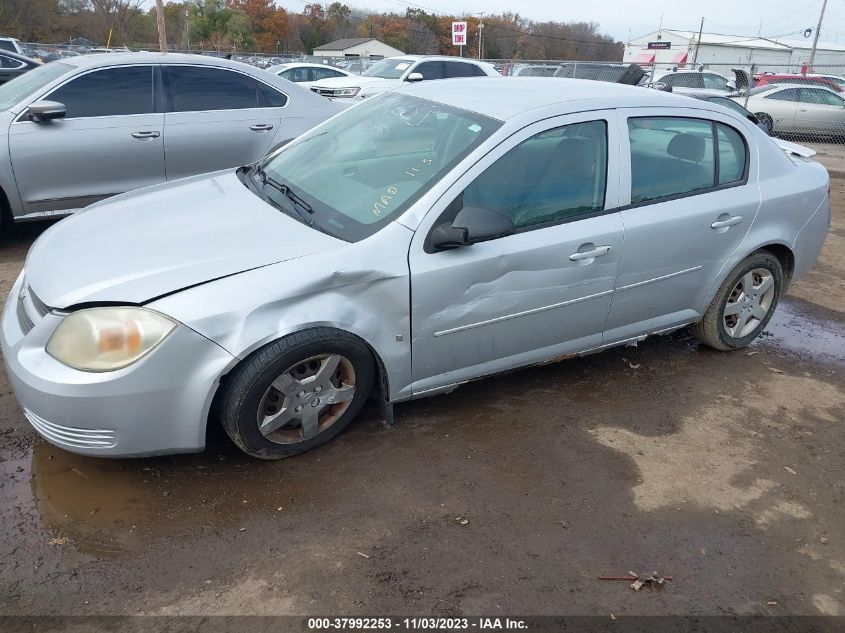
column 480, row 34
column 188, row 30
column 162, row 38
column 698, row 42
column 816, row 38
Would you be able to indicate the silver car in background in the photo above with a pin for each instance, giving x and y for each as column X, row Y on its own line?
column 800, row 110
column 85, row 128
column 423, row 238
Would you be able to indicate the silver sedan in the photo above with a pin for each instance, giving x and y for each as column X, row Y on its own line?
column 802, row 110
column 419, row 240
column 85, row 128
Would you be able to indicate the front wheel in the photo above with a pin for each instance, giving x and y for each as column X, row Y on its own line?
column 296, row 393
column 743, row 304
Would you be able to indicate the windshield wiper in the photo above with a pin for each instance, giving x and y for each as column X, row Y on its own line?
column 298, row 203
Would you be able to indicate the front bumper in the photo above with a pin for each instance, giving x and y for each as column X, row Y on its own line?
column 157, row 405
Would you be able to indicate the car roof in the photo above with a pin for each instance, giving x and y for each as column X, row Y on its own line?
column 449, row 57
column 120, row 58
column 502, row 98
column 304, row 64
column 821, row 86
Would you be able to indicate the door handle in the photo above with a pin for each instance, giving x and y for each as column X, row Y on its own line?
column 596, row 252
column 722, row 224
column 261, row 127
column 148, row 134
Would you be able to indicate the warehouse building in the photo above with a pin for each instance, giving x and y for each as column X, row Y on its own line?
column 670, row 47
column 357, row 47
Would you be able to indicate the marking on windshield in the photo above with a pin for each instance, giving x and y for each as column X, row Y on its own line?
column 380, row 206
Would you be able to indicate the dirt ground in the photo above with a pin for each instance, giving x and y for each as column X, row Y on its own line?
column 724, row 470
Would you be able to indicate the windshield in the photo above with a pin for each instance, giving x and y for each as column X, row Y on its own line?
column 366, row 166
column 388, row 68
column 14, row 91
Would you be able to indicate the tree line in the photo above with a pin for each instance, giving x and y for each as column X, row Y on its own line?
column 262, row 26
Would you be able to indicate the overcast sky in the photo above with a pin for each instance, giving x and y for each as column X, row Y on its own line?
column 785, row 18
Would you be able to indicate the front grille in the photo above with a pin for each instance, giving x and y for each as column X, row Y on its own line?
column 23, row 318
column 30, row 309
column 71, row 436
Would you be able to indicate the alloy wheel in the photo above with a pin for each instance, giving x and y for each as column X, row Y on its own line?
column 306, row 399
column 749, row 302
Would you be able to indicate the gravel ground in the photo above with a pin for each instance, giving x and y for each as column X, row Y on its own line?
column 508, row 496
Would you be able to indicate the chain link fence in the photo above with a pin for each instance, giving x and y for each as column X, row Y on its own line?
column 789, row 100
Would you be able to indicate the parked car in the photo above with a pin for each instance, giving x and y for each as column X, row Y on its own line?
column 533, row 70
column 803, row 80
column 12, row 45
column 839, row 81
column 802, row 110
column 699, row 81
column 391, row 72
column 307, row 74
column 592, row 70
column 423, row 238
column 88, row 127
column 13, row 65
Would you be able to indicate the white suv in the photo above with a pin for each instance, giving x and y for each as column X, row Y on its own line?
column 12, row 45
column 697, row 81
column 391, row 72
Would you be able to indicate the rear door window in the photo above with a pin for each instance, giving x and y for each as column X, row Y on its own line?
column 325, row 73
column 820, row 97
column 430, row 70
column 462, row 69
column 197, row 89
column 670, row 156
column 109, row 92
column 10, row 62
column 676, row 156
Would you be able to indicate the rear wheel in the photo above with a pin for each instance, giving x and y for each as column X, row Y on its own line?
column 297, row 393
column 743, row 304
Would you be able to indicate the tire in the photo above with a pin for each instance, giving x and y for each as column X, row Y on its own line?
column 293, row 382
column 767, row 122
column 714, row 329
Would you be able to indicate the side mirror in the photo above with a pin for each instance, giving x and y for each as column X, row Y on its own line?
column 42, row 111
column 470, row 226
column 659, row 85
column 415, row 77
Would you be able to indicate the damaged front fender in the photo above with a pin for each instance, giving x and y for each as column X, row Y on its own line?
column 362, row 288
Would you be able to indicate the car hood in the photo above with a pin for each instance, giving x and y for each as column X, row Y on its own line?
column 352, row 82
column 145, row 244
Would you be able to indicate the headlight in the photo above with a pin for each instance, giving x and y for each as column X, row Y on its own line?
column 105, row 339
column 346, row 92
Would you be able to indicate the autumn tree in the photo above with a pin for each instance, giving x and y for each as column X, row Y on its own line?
column 269, row 23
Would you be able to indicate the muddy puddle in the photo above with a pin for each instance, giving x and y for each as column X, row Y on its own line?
column 811, row 335
column 108, row 508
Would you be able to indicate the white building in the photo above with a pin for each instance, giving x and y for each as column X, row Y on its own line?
column 679, row 49
column 357, row 47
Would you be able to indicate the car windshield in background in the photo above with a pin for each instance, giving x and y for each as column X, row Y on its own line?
column 366, row 166
column 12, row 92
column 388, row 68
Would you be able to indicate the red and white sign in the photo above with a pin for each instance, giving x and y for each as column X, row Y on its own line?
column 459, row 33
